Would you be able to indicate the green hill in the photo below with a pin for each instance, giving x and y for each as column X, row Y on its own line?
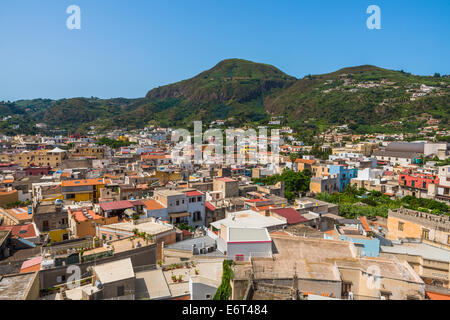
column 368, row 98
column 364, row 95
column 232, row 80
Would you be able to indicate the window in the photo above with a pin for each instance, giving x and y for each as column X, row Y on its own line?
column 425, row 234
column 120, row 291
column 196, row 216
column 178, row 202
column 208, row 296
column 386, row 295
column 199, row 199
column 400, row 226
column 239, row 257
column 346, row 288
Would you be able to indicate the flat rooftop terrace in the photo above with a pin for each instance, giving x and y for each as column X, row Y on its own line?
column 15, row 287
column 148, row 227
column 419, row 249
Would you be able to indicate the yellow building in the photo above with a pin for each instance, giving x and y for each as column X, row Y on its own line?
column 58, row 235
column 166, row 176
column 40, row 158
column 432, row 229
column 88, row 152
column 320, row 170
column 83, row 190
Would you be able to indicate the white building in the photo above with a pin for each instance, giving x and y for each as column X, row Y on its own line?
column 244, row 234
column 241, row 244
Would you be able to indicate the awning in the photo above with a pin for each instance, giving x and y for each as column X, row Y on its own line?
column 179, row 214
column 130, row 212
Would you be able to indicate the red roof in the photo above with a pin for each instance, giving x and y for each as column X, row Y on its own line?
column 256, row 200
column 137, row 202
column 31, row 265
column 23, row 231
column 210, row 206
column 306, row 161
column 291, row 215
column 194, row 193
column 116, row 205
column 264, row 208
column 186, row 232
column 79, row 215
column 226, row 179
column 6, row 164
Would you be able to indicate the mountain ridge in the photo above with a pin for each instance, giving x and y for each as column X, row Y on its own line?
column 252, row 92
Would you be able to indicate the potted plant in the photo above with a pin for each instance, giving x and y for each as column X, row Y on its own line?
column 186, row 264
column 196, row 272
column 180, row 278
column 174, row 278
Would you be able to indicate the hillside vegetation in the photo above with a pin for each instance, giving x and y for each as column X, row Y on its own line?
column 366, row 97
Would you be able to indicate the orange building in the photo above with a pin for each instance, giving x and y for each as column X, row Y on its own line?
column 83, row 222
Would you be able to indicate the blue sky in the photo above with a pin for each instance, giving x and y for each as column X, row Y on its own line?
column 125, row 48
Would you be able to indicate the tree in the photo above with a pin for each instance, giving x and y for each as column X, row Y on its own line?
column 224, row 290
column 294, row 182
